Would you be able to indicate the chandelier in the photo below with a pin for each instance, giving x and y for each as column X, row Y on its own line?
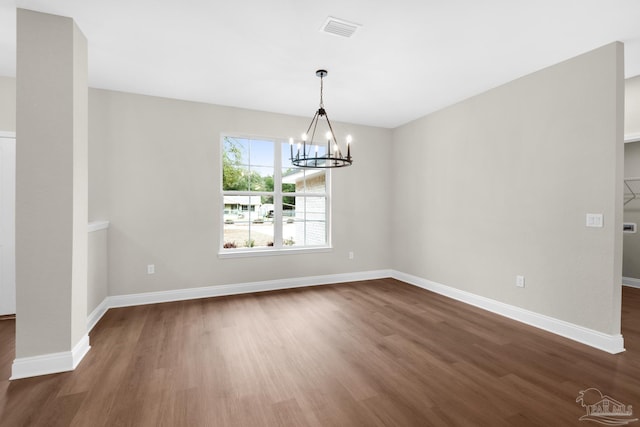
column 310, row 154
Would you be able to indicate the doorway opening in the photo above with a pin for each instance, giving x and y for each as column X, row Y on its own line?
column 7, row 225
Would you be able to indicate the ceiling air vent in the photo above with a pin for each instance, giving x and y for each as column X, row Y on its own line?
column 339, row 27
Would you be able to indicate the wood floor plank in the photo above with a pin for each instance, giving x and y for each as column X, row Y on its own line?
column 371, row 353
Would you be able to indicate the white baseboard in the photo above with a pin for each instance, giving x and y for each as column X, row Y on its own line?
column 609, row 343
column 222, row 290
column 97, row 314
column 52, row 363
column 630, row 281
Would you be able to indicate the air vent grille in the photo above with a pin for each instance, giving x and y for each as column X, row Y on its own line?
column 339, row 27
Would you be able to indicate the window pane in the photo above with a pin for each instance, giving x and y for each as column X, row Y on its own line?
column 246, row 223
column 236, row 230
column 292, row 180
column 304, row 180
column 238, row 149
column 307, row 224
column 315, row 208
column 261, row 178
column 299, row 208
column 315, row 220
column 315, row 181
column 235, row 170
column 316, row 233
column 290, row 233
column 235, row 236
column 261, row 153
column 260, row 230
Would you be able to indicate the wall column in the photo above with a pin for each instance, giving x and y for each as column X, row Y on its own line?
column 51, row 195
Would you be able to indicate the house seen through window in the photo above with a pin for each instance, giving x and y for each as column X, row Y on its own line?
column 267, row 203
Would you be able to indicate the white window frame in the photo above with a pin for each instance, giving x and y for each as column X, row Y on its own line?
column 278, row 248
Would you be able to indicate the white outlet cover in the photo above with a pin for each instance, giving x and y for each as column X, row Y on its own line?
column 595, row 220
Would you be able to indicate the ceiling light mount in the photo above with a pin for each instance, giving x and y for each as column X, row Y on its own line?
column 314, row 155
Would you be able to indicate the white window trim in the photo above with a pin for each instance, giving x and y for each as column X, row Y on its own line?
column 250, row 252
column 277, row 201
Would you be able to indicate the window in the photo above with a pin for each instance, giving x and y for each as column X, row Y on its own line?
column 269, row 205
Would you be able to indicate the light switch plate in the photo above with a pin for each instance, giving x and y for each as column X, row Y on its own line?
column 595, row 220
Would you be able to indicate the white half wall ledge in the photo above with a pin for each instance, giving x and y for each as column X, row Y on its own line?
column 52, row 363
column 97, row 226
column 632, row 137
column 631, row 282
column 610, row 343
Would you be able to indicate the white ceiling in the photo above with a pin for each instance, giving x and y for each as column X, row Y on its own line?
column 409, row 58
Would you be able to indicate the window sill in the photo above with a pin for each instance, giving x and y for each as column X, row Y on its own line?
column 272, row 252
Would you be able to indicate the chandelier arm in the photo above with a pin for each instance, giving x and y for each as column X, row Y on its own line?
column 315, row 126
column 313, row 120
column 333, row 135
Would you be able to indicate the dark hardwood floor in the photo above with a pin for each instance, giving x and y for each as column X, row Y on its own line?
column 369, row 353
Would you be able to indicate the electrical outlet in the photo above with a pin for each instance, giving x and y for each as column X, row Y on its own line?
column 350, row 254
column 520, row 281
column 595, row 220
column 151, row 269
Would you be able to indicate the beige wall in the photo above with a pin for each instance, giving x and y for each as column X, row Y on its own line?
column 632, row 107
column 162, row 195
column 51, row 184
column 499, row 185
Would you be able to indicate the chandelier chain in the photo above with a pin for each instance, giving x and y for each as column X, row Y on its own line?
column 321, row 87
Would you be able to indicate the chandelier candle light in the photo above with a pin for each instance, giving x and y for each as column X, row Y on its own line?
column 307, row 151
